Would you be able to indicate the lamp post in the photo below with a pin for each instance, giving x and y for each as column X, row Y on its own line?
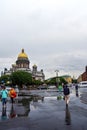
column 57, row 83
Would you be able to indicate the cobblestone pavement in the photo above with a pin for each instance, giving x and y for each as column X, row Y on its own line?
column 47, row 114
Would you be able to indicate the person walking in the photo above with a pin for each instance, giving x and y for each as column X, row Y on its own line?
column 60, row 88
column 4, row 95
column 76, row 87
column 12, row 94
column 66, row 92
column 76, row 90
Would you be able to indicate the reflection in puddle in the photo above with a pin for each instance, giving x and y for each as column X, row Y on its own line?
column 20, row 108
column 4, row 114
column 34, row 105
column 12, row 112
column 23, row 106
column 67, row 116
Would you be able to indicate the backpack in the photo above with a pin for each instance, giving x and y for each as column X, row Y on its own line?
column 66, row 91
column 4, row 92
column 12, row 93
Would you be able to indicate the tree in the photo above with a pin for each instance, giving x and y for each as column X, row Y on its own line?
column 21, row 77
column 52, row 81
column 37, row 82
column 5, row 79
column 62, row 80
column 74, row 80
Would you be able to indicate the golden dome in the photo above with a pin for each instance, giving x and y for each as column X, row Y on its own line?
column 22, row 54
column 34, row 65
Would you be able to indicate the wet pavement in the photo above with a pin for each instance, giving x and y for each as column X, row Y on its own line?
column 46, row 110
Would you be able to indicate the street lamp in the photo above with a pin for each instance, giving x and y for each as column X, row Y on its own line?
column 57, row 83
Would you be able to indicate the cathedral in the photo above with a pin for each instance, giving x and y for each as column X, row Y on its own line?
column 23, row 63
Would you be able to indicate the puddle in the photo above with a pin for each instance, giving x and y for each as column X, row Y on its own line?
column 23, row 106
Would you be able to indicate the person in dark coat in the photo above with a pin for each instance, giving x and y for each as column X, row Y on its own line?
column 66, row 92
column 76, row 88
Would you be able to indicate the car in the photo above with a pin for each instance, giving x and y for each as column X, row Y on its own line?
column 82, row 84
column 51, row 87
column 42, row 87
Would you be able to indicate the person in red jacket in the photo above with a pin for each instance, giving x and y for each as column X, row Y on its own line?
column 12, row 94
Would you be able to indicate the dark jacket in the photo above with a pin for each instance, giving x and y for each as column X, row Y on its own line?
column 66, row 90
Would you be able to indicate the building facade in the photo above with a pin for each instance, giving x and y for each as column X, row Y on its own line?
column 23, row 63
column 83, row 76
column 67, row 78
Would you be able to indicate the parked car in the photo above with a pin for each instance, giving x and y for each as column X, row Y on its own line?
column 51, row 87
column 82, row 84
column 42, row 87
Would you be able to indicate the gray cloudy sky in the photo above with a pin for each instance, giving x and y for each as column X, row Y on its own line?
column 53, row 34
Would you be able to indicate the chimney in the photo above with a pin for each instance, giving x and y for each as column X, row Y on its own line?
column 86, row 69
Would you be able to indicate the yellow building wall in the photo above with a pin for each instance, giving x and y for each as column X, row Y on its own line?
column 68, row 79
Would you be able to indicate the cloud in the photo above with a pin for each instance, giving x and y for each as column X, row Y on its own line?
column 52, row 32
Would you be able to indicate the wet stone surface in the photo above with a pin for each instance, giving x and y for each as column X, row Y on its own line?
column 45, row 110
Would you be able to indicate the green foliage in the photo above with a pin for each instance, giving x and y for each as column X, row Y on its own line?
column 59, row 97
column 53, row 81
column 74, row 80
column 21, row 77
column 37, row 82
column 62, row 80
column 5, row 79
column 50, row 81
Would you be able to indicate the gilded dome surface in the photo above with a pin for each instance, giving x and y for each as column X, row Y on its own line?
column 34, row 65
column 22, row 54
